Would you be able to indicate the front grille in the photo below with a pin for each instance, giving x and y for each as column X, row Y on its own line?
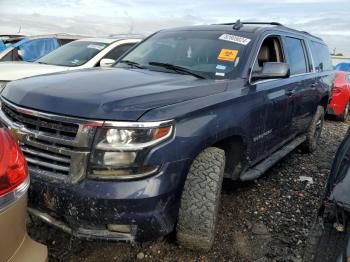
column 50, row 127
column 41, row 159
column 54, row 146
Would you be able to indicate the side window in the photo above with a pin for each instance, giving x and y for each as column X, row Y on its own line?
column 118, row 51
column 10, row 56
column 321, row 57
column 270, row 51
column 296, row 55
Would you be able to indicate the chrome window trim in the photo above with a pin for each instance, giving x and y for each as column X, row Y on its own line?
column 279, row 79
column 10, row 198
column 311, row 56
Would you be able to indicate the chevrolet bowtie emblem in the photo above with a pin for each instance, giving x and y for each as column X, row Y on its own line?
column 18, row 135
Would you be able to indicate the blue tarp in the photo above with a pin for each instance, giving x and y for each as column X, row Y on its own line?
column 33, row 49
column 36, row 48
column 2, row 46
column 343, row 67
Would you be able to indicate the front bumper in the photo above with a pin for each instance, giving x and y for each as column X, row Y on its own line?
column 149, row 206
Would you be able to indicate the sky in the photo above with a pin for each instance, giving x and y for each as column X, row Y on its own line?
column 327, row 19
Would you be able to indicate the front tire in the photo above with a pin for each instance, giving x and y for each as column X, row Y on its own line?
column 200, row 200
column 314, row 131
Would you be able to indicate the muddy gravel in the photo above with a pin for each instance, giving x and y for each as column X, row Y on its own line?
column 265, row 220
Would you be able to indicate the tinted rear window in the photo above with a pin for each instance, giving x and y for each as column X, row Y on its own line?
column 321, row 57
column 296, row 55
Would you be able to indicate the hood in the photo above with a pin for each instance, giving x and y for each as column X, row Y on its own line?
column 108, row 94
column 10, row 71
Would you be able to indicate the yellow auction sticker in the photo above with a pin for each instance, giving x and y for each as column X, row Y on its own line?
column 228, row 55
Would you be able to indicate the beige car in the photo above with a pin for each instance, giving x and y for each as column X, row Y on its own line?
column 15, row 244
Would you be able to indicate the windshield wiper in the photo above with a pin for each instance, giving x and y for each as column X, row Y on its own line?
column 177, row 69
column 132, row 64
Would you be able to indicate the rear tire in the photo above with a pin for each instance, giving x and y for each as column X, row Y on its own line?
column 200, row 200
column 344, row 116
column 314, row 131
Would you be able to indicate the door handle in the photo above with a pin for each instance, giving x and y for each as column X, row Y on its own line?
column 290, row 92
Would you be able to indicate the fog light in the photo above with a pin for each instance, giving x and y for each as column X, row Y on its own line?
column 119, row 158
column 119, row 228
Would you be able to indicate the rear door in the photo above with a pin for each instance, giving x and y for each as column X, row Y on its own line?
column 303, row 86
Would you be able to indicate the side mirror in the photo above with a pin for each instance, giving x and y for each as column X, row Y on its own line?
column 272, row 70
column 106, row 62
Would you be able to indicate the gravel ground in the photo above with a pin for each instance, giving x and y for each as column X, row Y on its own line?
column 265, row 220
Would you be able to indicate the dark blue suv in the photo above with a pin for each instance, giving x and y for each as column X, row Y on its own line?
column 136, row 151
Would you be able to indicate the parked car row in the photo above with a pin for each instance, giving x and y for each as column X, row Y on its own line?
column 80, row 54
column 20, row 48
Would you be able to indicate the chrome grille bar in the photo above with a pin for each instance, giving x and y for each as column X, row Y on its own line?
column 46, row 155
column 46, row 164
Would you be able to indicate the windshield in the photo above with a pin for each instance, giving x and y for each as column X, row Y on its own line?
column 73, row 54
column 215, row 54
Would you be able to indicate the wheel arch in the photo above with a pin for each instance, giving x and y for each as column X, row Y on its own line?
column 235, row 148
column 324, row 101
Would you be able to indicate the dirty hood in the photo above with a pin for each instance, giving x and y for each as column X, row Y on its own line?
column 107, row 94
column 10, row 71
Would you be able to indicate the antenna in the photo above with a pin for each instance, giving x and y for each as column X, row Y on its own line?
column 19, row 30
column 238, row 25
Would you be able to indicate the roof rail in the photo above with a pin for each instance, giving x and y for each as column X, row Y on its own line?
column 238, row 25
column 253, row 23
column 262, row 23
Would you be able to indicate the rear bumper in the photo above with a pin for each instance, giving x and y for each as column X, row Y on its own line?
column 86, row 210
column 17, row 246
column 30, row 251
column 336, row 105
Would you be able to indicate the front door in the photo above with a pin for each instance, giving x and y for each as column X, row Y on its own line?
column 275, row 127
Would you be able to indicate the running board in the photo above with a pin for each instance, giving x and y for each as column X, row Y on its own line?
column 262, row 167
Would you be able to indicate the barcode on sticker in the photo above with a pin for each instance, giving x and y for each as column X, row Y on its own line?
column 235, row 39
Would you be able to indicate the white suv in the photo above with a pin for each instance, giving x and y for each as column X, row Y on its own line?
column 80, row 54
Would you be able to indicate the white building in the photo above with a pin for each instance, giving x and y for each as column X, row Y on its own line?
column 339, row 59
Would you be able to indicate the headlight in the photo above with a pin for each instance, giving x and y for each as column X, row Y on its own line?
column 2, row 85
column 119, row 151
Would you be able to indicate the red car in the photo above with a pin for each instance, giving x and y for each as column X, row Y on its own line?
column 339, row 103
column 15, row 244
